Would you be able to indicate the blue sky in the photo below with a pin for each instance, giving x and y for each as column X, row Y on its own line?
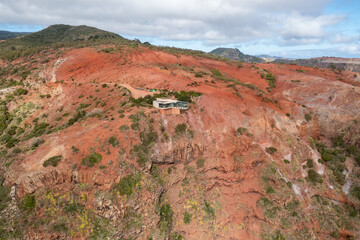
column 287, row 28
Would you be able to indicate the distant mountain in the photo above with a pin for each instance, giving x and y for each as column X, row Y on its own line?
column 6, row 34
column 349, row 64
column 235, row 54
column 65, row 33
column 56, row 36
column 268, row 58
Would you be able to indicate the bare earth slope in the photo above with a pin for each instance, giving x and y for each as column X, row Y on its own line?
column 267, row 151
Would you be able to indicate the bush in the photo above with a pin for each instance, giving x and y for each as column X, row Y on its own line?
column 74, row 149
column 286, row 161
column 28, row 202
column 313, row 177
column 53, row 161
column 20, row 91
column 91, row 159
column 104, row 85
column 209, row 210
column 124, row 128
column 113, row 141
column 166, row 218
column 310, row 163
column 355, row 191
column 216, row 73
column 270, row 190
column 198, row 75
column 187, row 217
column 180, row 128
column 241, row 130
column 308, row 117
column 127, row 184
column 271, row 150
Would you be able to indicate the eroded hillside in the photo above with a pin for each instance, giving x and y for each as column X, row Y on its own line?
column 265, row 151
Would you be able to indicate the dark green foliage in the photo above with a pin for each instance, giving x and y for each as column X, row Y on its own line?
column 60, row 227
column 113, row 141
column 28, row 202
column 209, row 210
column 309, row 163
column 91, row 159
column 20, row 91
column 187, row 217
column 74, row 149
column 271, row 150
column 216, row 73
column 180, row 128
column 198, row 75
column 270, row 190
column 166, row 218
column 270, row 78
column 124, row 128
column 38, row 130
column 355, row 191
column 4, row 194
column 104, row 85
column 241, row 130
column 17, row 150
column 286, row 161
column 53, row 161
column 313, row 177
column 308, row 117
column 127, row 184
column 338, row 141
column 73, row 207
column 200, row 163
column 79, row 115
column 135, row 126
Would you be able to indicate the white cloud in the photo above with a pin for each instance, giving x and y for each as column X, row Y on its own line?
column 212, row 22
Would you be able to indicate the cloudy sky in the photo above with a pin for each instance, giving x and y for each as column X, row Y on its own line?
column 288, row 28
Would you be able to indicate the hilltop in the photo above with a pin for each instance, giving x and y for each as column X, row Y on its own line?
column 265, row 151
column 235, row 54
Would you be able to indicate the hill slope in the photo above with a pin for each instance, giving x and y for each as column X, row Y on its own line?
column 265, row 151
column 235, row 54
column 6, row 34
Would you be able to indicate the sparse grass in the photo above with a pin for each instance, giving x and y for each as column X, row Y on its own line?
column 200, row 163
column 180, row 128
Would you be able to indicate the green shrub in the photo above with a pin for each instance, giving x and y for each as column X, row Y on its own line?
column 53, row 161
column 124, row 128
column 104, row 85
column 355, row 191
column 135, row 126
column 113, row 141
column 313, row 177
column 198, row 75
column 271, row 150
column 91, row 159
column 180, row 128
column 20, row 91
column 36, row 143
column 308, row 117
column 286, row 161
column 216, row 73
column 127, row 184
column 73, row 207
column 310, row 163
column 28, row 202
column 4, row 195
column 166, row 218
column 209, row 210
column 241, row 130
column 187, row 217
column 270, row 190
column 74, row 149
